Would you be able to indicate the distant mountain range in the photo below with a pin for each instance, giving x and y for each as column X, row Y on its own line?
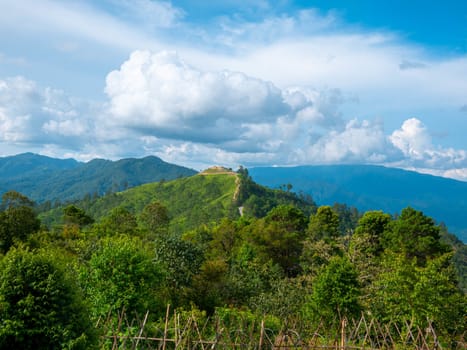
column 368, row 187
column 43, row 178
column 365, row 187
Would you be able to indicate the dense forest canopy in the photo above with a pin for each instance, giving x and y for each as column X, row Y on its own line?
column 218, row 242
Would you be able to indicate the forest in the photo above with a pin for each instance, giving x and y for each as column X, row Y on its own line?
column 219, row 245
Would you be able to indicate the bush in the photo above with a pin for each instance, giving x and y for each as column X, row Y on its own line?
column 40, row 304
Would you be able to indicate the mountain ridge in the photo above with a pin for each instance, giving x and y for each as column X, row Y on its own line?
column 43, row 178
column 371, row 187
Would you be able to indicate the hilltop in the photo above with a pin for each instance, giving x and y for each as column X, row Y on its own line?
column 191, row 201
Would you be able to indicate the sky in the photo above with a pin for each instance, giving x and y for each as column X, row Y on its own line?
column 252, row 83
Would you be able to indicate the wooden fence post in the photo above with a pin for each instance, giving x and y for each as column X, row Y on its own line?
column 261, row 335
column 343, row 324
column 164, row 341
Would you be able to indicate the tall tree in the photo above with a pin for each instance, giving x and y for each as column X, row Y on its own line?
column 405, row 291
column 18, row 219
column 279, row 235
column 72, row 215
column 324, row 224
column 415, row 235
column 155, row 218
column 119, row 221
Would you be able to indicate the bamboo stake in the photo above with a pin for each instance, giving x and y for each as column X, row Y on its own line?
column 142, row 328
column 166, row 326
column 175, row 329
column 261, row 335
column 343, row 324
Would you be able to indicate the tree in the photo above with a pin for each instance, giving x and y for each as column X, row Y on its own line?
column 415, row 235
column 370, row 231
column 122, row 273
column 181, row 260
column 324, row 224
column 41, row 305
column 336, row 291
column 322, row 241
column 155, row 218
column 406, row 291
column 13, row 199
column 18, row 219
column 72, row 215
column 348, row 217
column 366, row 247
column 279, row 235
column 119, row 221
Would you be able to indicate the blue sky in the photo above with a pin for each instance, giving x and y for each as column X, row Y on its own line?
column 235, row 82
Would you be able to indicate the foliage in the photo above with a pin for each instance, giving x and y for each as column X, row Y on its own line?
column 18, row 219
column 336, row 291
column 155, row 218
column 41, row 306
column 72, row 215
column 258, row 200
column 270, row 262
column 405, row 290
column 415, row 235
column 181, row 260
column 121, row 273
column 279, row 236
column 119, row 221
column 324, row 224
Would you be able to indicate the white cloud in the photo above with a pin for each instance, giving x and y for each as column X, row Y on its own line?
column 358, row 142
column 32, row 115
column 415, row 142
column 163, row 96
column 242, row 35
column 240, row 117
column 412, row 139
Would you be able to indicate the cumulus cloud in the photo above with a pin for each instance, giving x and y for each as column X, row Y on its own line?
column 358, row 142
column 177, row 109
column 161, row 97
column 415, row 142
column 164, row 96
column 412, row 139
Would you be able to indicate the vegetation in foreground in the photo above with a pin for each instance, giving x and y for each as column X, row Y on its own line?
column 184, row 243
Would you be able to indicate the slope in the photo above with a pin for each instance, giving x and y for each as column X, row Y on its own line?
column 191, row 201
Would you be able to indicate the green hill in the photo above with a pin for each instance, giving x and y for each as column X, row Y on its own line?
column 191, row 201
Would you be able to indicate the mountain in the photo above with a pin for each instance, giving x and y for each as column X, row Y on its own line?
column 42, row 178
column 370, row 187
column 30, row 164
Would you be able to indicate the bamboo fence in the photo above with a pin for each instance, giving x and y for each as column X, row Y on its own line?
column 194, row 332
